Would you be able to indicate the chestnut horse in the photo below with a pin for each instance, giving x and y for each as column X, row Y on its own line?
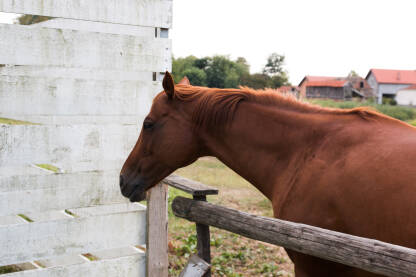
column 351, row 171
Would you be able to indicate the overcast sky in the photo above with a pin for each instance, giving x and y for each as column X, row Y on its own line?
column 319, row 37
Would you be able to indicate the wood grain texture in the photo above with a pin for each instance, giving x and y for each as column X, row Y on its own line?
column 157, row 231
column 69, row 147
column 156, row 13
column 39, row 193
column 367, row 254
column 24, row 95
column 192, row 187
column 68, row 48
column 105, row 227
column 127, row 266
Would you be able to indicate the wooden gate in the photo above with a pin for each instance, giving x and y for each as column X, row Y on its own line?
column 79, row 86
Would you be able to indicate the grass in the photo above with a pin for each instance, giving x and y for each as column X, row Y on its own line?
column 9, row 121
column 232, row 255
column 48, row 167
column 398, row 112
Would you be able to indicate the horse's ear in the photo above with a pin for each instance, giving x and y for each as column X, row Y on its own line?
column 184, row 81
column 168, row 85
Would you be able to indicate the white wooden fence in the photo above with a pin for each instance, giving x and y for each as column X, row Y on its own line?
column 87, row 79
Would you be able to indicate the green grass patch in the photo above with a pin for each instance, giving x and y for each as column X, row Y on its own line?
column 10, row 121
column 412, row 122
column 232, row 255
column 398, row 112
column 25, row 217
column 48, row 167
column 9, row 269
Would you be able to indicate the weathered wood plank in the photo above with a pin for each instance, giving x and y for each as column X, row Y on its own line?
column 119, row 225
column 126, row 266
column 106, row 74
column 371, row 255
column 157, row 231
column 156, row 13
column 23, row 95
column 68, row 48
column 192, row 187
column 67, row 146
column 39, row 193
column 90, row 26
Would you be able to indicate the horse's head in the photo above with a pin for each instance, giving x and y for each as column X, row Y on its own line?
column 166, row 142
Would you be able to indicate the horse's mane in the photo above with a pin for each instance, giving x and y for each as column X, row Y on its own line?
column 216, row 107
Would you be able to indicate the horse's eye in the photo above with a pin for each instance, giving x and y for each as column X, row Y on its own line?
column 147, row 124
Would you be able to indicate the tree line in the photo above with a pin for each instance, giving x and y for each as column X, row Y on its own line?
column 223, row 72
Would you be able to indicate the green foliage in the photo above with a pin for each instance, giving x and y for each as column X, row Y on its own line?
column 274, row 65
column 48, row 167
column 28, row 19
column 196, row 76
column 398, row 112
column 222, row 72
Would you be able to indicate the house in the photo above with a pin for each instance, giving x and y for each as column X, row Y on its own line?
column 406, row 96
column 293, row 90
column 335, row 87
column 387, row 82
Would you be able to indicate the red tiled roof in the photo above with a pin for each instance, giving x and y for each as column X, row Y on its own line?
column 327, row 83
column 394, row 76
column 316, row 79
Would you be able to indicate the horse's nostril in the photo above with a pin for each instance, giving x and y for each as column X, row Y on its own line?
column 121, row 180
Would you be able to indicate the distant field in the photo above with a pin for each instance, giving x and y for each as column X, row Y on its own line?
column 232, row 255
column 407, row 114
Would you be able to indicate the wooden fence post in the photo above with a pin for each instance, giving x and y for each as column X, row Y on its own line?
column 157, row 232
column 203, row 239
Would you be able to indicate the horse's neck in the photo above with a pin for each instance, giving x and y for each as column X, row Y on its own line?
column 262, row 143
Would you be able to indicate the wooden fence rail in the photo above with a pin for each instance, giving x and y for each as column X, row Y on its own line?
column 367, row 254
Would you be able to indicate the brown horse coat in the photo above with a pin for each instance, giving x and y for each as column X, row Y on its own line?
column 345, row 170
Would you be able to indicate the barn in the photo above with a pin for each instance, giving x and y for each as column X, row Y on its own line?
column 340, row 88
column 387, row 82
column 406, row 96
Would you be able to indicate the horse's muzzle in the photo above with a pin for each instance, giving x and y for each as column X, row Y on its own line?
column 134, row 192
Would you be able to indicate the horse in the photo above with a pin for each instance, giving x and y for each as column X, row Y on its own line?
column 350, row 171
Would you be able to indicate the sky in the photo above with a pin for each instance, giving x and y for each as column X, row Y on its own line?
column 317, row 37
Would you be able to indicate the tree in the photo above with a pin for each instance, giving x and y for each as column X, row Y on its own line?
column 274, row 64
column 196, row 76
column 256, row 81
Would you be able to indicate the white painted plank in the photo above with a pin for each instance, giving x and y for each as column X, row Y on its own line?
column 127, row 266
column 78, row 119
column 46, row 239
column 90, row 26
column 62, row 261
column 75, row 73
column 68, row 48
column 29, row 194
column 156, row 13
column 118, row 252
column 11, row 219
column 70, row 147
column 42, row 96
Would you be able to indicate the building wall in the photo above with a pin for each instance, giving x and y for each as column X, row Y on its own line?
column 406, row 97
column 325, row 92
